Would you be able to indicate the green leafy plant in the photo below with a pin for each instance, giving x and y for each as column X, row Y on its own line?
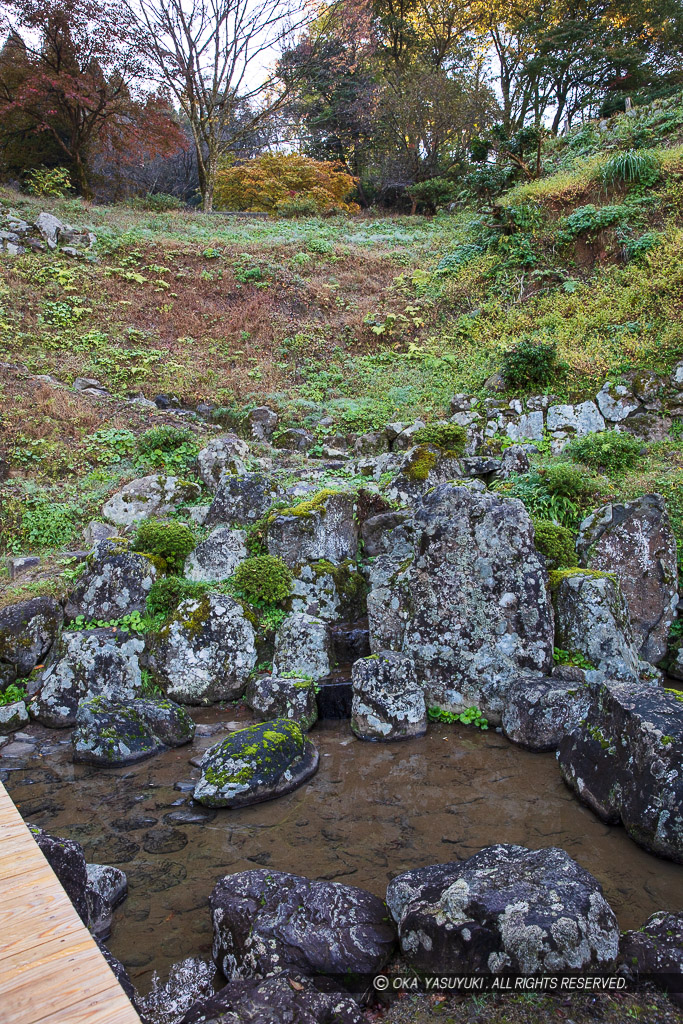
column 449, row 436
column 632, row 166
column 157, row 202
column 573, row 658
column 458, row 257
column 166, row 594
column 303, row 206
column 46, row 524
column 170, row 541
column 556, row 543
column 432, row 194
column 12, row 694
column 48, row 181
column 149, row 687
column 610, row 451
column 110, row 445
column 530, row 364
column 567, row 481
column 470, row 716
column 264, row 578
column 167, row 448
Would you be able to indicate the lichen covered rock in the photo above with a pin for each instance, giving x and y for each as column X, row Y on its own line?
column 13, row 717
column 540, row 710
column 154, row 495
column 241, row 499
column 218, row 556
column 388, row 702
column 655, row 949
column 591, row 619
column 109, row 732
column 471, row 605
column 506, row 908
column 322, row 527
column 87, row 663
column 272, row 697
column 27, row 631
column 292, row 998
column 635, row 541
column 302, row 647
column 333, row 593
column 116, row 583
column 267, row 922
column 222, row 456
column 256, row 764
column 206, row 651
column 624, row 761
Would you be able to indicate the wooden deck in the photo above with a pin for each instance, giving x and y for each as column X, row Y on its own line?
column 51, row 970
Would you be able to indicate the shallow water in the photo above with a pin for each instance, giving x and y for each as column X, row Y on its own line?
column 372, row 810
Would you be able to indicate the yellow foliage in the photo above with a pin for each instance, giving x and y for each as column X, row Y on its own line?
column 277, row 182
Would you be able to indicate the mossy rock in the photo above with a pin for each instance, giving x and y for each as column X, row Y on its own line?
column 256, row 764
column 557, row 543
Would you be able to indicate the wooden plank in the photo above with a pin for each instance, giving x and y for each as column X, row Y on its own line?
column 51, row 970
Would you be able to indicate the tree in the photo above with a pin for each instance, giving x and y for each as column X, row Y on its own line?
column 74, row 82
column 210, row 54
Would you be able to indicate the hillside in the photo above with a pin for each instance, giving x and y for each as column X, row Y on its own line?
column 325, row 417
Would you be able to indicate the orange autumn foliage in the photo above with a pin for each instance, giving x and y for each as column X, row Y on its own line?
column 284, row 183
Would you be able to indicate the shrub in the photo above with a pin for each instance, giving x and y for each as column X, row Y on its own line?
column 637, row 167
column 267, row 181
column 449, row 436
column 458, row 257
column 157, row 202
column 589, row 220
column 170, row 541
column 305, row 206
column 46, row 524
column 12, row 694
column 530, row 364
column 609, row 451
column 636, row 248
column 568, row 481
column 166, row 594
column 432, row 194
column 556, row 543
column 44, row 181
column 264, row 578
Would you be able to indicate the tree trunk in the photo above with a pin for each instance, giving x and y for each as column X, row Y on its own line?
column 81, row 176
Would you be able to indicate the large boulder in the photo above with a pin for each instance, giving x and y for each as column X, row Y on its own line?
column 321, row 527
column 115, row 584
column 624, row 761
column 216, row 557
column 267, row 922
column 388, row 702
column 27, row 631
column 110, row 732
column 592, row 620
column 241, row 499
column 302, row 647
column 422, row 468
column 333, row 593
column 87, row 663
column 12, row 717
column 154, row 495
column 273, row 696
column 566, row 421
column 262, row 422
column 288, row 999
column 655, row 950
column 506, row 908
column 256, row 764
column 471, row 606
column 635, row 541
column 222, row 456
column 206, row 651
column 540, row 710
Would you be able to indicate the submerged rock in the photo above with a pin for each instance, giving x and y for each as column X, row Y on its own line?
column 109, row 733
column 302, row 647
column 624, row 761
column 266, row 922
column 87, row 663
column 290, row 998
column 206, row 651
column 506, row 908
column 388, row 702
column 256, row 764
column 154, row 495
column 272, row 697
column 541, row 710
column 591, row 619
column 27, row 631
column 471, row 606
column 116, row 583
column 635, row 541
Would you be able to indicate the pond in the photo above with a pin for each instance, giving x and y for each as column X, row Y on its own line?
column 372, row 811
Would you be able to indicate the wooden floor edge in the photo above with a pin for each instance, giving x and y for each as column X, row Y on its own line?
column 60, row 973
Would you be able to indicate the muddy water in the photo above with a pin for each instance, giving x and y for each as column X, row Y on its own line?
column 371, row 811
